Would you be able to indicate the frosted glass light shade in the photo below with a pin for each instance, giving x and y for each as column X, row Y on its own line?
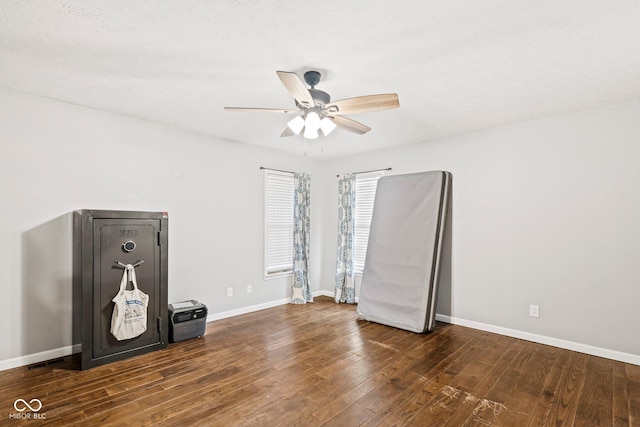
column 296, row 124
column 310, row 133
column 312, row 120
column 327, row 126
column 311, row 125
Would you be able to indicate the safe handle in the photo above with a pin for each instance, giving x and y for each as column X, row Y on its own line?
column 122, row 265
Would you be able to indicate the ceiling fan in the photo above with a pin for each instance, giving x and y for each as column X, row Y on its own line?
column 317, row 113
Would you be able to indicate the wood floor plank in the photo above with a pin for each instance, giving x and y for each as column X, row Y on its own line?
column 633, row 388
column 354, row 415
column 435, row 378
column 317, row 365
column 563, row 411
column 550, row 391
column 369, row 390
column 475, row 407
column 595, row 406
column 492, row 378
column 503, row 387
column 620, row 396
column 525, row 396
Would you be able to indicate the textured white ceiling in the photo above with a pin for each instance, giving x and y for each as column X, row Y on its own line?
column 457, row 65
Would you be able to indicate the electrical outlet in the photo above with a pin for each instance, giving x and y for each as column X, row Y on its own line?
column 229, row 292
column 534, row 311
column 249, row 289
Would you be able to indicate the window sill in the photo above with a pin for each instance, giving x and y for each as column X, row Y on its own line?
column 271, row 276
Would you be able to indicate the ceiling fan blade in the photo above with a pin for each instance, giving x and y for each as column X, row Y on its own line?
column 363, row 104
column 296, row 88
column 287, row 132
column 262, row 110
column 350, row 125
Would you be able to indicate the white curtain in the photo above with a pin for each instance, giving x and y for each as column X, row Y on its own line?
column 345, row 273
column 301, row 292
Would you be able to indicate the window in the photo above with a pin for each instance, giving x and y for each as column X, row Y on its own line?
column 278, row 214
column 366, row 185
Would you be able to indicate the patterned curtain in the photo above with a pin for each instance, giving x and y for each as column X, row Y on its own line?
column 345, row 274
column 301, row 292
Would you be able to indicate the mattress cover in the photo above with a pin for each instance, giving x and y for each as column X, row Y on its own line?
column 402, row 265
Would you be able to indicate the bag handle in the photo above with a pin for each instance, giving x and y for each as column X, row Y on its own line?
column 122, row 265
column 129, row 274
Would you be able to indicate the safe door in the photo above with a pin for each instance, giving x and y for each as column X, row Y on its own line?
column 108, row 241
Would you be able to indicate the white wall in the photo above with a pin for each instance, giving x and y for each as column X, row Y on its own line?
column 545, row 212
column 56, row 158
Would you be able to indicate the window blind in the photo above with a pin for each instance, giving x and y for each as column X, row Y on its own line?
column 279, row 189
column 366, row 185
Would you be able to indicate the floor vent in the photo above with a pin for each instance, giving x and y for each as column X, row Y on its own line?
column 46, row 363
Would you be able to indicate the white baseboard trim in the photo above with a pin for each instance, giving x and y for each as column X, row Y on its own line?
column 331, row 294
column 543, row 339
column 324, row 294
column 29, row 359
column 244, row 310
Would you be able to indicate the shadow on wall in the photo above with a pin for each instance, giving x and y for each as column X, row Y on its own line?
column 46, row 322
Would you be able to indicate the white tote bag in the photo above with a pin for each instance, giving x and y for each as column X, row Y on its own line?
column 129, row 318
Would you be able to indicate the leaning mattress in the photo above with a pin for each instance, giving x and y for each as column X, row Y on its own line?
column 402, row 266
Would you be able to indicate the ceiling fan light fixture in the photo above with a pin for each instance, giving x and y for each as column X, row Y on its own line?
column 296, row 124
column 327, row 126
column 310, row 133
column 312, row 120
column 311, row 125
column 315, row 110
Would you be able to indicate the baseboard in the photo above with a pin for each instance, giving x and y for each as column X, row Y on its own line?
column 29, row 359
column 245, row 310
column 543, row 339
column 257, row 307
column 324, row 294
column 331, row 294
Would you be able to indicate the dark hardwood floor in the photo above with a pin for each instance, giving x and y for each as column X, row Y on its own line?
column 316, row 365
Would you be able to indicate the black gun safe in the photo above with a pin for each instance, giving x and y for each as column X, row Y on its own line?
column 103, row 241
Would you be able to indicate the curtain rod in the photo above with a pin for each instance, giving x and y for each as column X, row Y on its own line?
column 277, row 170
column 374, row 170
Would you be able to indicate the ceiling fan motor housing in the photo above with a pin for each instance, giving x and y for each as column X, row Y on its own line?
column 312, row 78
column 320, row 95
column 320, row 98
